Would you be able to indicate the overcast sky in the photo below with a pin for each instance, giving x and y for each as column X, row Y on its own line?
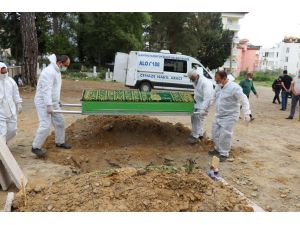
column 267, row 27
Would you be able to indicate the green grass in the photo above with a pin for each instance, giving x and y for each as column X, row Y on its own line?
column 264, row 79
column 81, row 76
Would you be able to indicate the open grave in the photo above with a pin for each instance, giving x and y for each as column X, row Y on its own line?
column 130, row 163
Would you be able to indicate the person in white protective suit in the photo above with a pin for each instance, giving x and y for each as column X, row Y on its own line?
column 203, row 97
column 10, row 104
column 228, row 98
column 47, row 99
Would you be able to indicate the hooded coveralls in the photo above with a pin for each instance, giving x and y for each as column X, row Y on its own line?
column 9, row 98
column 48, row 94
column 228, row 100
column 203, row 96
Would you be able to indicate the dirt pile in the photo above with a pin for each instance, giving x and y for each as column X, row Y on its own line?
column 101, row 142
column 130, row 189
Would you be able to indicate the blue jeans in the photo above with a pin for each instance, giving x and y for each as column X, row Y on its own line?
column 284, row 99
column 295, row 100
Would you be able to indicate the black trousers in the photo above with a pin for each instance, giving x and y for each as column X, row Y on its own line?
column 276, row 97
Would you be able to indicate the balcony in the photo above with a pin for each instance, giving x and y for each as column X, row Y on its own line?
column 232, row 26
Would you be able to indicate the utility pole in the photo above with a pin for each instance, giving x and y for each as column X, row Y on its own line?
column 230, row 59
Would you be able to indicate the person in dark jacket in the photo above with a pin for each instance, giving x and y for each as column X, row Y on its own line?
column 286, row 81
column 248, row 86
column 276, row 86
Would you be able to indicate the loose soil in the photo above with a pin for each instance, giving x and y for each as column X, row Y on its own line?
column 130, row 189
column 121, row 141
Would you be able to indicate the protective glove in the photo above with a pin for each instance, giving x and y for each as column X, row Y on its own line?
column 247, row 118
column 19, row 108
column 49, row 109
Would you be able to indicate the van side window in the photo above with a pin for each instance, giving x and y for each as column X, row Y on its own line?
column 195, row 65
column 177, row 66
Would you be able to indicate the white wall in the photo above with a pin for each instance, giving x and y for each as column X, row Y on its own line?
column 273, row 62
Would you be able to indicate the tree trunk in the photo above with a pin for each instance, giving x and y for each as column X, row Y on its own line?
column 55, row 23
column 30, row 47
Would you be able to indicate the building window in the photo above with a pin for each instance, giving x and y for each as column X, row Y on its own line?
column 287, row 50
column 266, row 54
column 177, row 66
column 286, row 59
column 285, row 68
column 277, row 54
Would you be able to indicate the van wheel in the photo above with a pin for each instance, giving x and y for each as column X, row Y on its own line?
column 145, row 86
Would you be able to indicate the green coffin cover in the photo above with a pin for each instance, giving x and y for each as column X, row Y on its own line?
column 135, row 102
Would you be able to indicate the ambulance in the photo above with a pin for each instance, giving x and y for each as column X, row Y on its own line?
column 156, row 70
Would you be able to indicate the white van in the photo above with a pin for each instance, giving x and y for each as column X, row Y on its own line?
column 148, row 70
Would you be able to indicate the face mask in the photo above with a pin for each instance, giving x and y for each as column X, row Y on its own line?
column 4, row 74
column 249, row 78
column 63, row 68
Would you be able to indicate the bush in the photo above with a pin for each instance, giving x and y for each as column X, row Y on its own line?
column 75, row 75
column 243, row 74
column 266, row 76
column 74, row 67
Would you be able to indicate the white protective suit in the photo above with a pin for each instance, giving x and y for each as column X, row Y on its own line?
column 203, row 96
column 228, row 100
column 9, row 99
column 48, row 94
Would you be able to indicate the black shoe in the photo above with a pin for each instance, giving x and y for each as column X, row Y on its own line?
column 274, row 102
column 289, row 118
column 38, row 152
column 64, row 145
column 213, row 152
column 282, row 109
column 192, row 140
column 201, row 138
column 251, row 119
column 223, row 158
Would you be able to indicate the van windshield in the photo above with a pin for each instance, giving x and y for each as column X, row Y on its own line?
column 205, row 73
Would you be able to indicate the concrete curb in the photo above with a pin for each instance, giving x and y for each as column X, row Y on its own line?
column 255, row 207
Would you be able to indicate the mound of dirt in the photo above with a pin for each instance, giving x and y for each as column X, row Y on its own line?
column 130, row 189
column 101, row 142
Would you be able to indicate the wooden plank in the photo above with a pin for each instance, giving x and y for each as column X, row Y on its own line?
column 11, row 165
column 5, row 180
column 215, row 162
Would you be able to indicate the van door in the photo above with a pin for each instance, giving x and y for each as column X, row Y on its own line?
column 120, row 67
column 175, row 73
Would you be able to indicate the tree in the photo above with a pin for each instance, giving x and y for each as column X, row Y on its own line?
column 10, row 34
column 30, row 47
column 213, row 43
column 167, row 31
column 56, row 33
column 101, row 35
column 200, row 35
